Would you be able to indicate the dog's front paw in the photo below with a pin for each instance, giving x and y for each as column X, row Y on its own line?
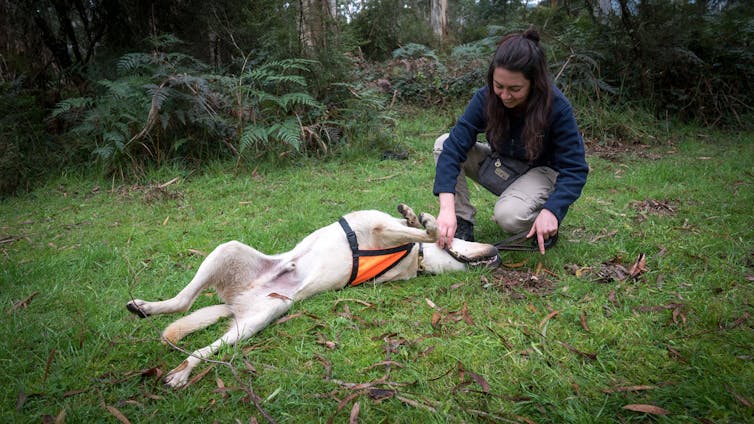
column 178, row 377
column 137, row 307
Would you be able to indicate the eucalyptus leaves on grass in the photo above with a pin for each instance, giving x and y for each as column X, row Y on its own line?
column 679, row 339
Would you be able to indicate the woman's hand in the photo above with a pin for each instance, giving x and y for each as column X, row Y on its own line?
column 446, row 220
column 544, row 227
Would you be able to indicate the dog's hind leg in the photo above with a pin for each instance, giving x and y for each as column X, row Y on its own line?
column 216, row 267
column 197, row 320
column 245, row 324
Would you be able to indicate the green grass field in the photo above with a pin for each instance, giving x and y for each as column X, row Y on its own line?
column 549, row 339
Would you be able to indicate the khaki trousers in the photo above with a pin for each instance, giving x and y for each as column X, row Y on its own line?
column 518, row 206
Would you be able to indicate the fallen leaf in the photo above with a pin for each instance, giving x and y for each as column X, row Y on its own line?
column 675, row 354
column 117, row 414
column 343, row 403
column 221, row 387
column 465, row 314
column 549, row 316
column 480, row 381
column 436, row 317
column 20, row 400
column 742, row 319
column 23, row 303
column 426, row 352
column 584, row 324
column 60, row 418
column 744, row 401
column 288, row 317
column 592, row 356
column 50, row 358
column 354, row 417
column 327, row 366
column 431, row 303
column 628, row 389
column 197, row 252
column 415, row 404
column 151, row 372
column 638, row 267
column 279, row 296
column 199, row 376
column 647, row 409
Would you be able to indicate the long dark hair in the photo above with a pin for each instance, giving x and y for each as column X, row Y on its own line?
column 521, row 52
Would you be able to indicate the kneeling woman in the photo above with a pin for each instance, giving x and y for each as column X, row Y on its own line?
column 528, row 122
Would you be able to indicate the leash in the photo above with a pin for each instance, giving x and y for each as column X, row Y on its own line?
column 519, row 242
column 488, row 262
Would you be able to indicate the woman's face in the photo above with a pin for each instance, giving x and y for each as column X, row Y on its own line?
column 511, row 87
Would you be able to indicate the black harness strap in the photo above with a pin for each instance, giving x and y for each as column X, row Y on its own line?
column 356, row 253
column 351, row 236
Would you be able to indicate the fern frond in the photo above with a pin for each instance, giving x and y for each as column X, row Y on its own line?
column 122, row 88
column 289, row 132
column 253, row 135
column 71, row 105
column 158, row 94
column 291, row 100
column 414, row 51
column 132, row 61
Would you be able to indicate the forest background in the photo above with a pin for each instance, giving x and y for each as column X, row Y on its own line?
column 123, row 86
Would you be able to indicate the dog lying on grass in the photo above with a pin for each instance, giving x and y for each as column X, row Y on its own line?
column 258, row 288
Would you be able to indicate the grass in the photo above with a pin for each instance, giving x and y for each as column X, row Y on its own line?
column 680, row 338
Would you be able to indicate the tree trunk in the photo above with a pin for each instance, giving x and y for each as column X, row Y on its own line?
column 439, row 18
column 314, row 23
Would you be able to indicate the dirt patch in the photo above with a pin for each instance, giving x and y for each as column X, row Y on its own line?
column 618, row 151
column 649, row 207
column 518, row 283
column 655, row 207
column 153, row 193
column 614, row 270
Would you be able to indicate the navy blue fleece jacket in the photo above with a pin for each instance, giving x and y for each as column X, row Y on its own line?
column 563, row 150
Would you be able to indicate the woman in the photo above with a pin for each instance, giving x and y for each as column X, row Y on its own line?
column 524, row 117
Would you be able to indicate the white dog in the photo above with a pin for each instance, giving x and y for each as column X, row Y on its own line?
column 258, row 288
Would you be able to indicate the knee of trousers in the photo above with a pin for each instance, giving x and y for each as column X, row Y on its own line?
column 513, row 214
column 439, row 142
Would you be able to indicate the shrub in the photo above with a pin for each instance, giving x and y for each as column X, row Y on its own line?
column 26, row 150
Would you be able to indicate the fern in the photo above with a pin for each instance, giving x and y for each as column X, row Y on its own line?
column 288, row 132
column 414, row 51
column 290, row 100
column 253, row 136
column 69, row 106
column 132, row 61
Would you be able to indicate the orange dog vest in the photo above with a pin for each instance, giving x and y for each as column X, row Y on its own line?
column 370, row 264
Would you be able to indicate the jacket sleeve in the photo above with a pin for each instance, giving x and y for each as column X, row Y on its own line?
column 462, row 137
column 568, row 159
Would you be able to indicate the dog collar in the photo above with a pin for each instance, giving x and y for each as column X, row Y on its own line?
column 420, row 259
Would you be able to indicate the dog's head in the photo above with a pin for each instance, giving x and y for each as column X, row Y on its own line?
column 461, row 255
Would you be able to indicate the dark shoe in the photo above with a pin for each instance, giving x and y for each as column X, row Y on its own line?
column 550, row 242
column 465, row 229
